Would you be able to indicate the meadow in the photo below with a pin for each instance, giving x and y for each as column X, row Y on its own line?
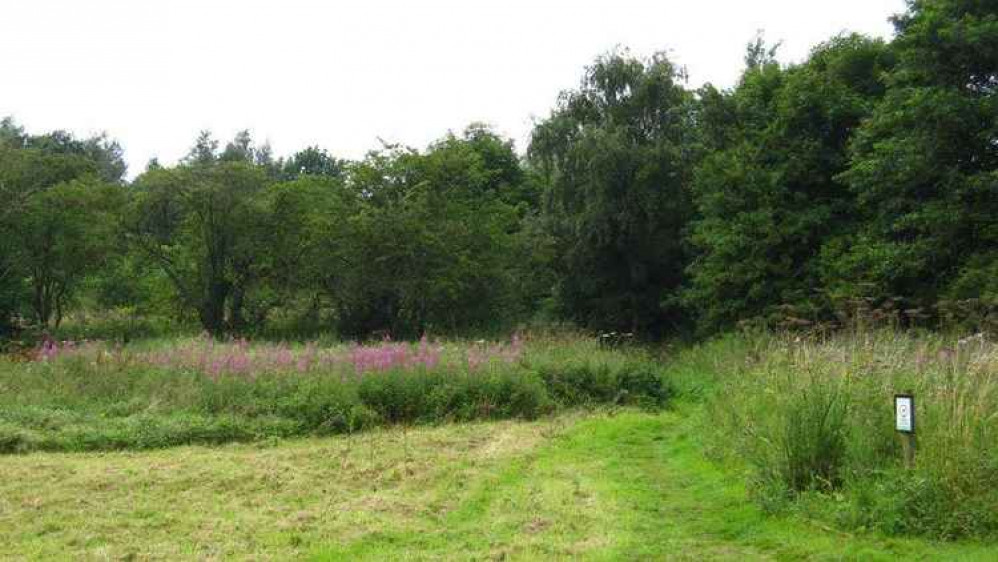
column 754, row 446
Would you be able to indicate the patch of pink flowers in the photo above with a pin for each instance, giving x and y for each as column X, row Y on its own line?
column 239, row 357
column 389, row 355
column 50, row 349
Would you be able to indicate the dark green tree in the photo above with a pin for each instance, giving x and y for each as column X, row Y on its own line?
column 925, row 165
column 305, row 258
column 312, row 161
column 617, row 154
column 203, row 224
column 766, row 192
column 430, row 242
column 49, row 185
column 64, row 234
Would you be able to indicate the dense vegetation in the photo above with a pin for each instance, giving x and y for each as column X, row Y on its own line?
column 850, row 197
column 812, row 420
column 807, row 423
column 166, row 393
column 863, row 175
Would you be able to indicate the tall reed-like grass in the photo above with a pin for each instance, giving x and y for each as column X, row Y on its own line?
column 815, row 418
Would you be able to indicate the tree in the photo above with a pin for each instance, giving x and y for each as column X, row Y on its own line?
column 304, row 259
column 103, row 153
column 201, row 223
column 63, row 234
column 767, row 196
column 34, row 173
column 924, row 166
column 312, row 161
column 429, row 243
column 204, row 151
column 617, row 154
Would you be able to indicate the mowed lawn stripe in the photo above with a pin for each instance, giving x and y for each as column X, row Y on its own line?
column 627, row 485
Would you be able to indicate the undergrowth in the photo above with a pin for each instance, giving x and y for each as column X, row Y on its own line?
column 813, row 419
column 161, row 394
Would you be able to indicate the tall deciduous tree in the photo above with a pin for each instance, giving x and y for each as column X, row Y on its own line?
column 925, row 165
column 202, row 223
column 65, row 233
column 767, row 196
column 618, row 154
column 312, row 161
column 431, row 239
column 49, row 185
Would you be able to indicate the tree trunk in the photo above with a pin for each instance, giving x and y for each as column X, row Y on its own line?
column 58, row 312
column 236, row 320
column 42, row 303
column 212, row 309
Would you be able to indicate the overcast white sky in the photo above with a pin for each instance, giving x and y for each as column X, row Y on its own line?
column 341, row 74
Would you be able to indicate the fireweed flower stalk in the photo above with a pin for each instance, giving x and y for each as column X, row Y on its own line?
column 240, row 357
column 389, row 356
column 51, row 350
column 482, row 355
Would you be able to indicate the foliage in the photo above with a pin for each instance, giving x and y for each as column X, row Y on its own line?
column 767, row 194
column 923, row 166
column 616, row 154
column 402, row 242
column 65, row 233
column 864, row 173
column 201, row 224
column 62, row 205
column 430, row 246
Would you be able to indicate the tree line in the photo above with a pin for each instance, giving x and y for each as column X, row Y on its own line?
column 867, row 172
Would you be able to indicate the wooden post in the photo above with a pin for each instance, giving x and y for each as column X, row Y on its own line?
column 908, row 443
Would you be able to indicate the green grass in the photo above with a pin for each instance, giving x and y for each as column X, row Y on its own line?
column 814, row 419
column 618, row 485
column 811, row 465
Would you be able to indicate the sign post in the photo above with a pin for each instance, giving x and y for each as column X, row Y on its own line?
column 904, row 423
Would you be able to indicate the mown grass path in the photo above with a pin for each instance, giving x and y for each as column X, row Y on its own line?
column 632, row 486
column 623, row 486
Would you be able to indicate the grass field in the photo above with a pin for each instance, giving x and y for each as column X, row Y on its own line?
column 604, row 486
column 748, row 447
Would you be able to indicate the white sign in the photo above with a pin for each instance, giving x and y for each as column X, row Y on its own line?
column 904, row 411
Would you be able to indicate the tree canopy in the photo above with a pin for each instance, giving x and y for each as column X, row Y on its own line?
column 867, row 172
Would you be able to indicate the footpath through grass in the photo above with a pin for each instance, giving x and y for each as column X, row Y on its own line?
column 630, row 485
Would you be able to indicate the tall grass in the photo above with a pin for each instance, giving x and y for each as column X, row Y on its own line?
column 815, row 419
column 169, row 392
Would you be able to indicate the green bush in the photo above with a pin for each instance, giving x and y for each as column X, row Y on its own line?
column 13, row 439
column 812, row 447
column 405, row 398
column 602, row 383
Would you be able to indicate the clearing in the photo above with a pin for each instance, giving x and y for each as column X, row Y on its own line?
column 615, row 485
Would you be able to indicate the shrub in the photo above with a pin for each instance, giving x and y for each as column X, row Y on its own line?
column 601, row 383
column 405, row 398
column 14, row 439
column 812, row 446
